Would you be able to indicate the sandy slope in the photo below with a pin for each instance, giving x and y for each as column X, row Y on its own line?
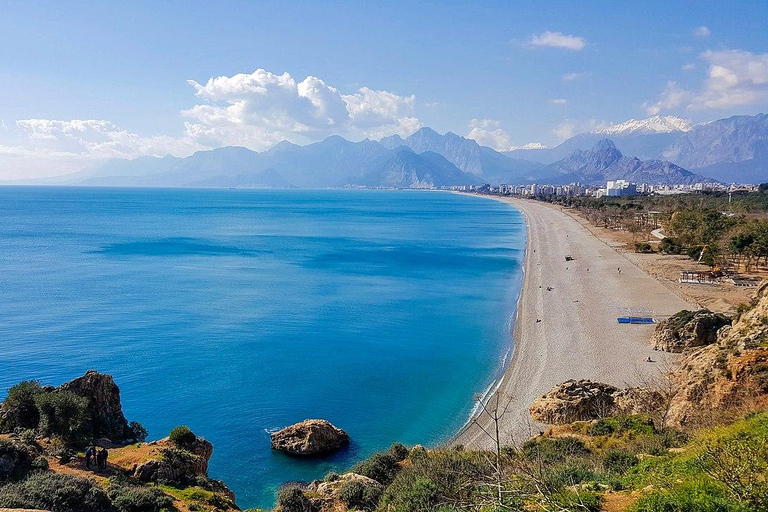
column 578, row 336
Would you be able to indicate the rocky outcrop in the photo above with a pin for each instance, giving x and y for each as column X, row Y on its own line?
column 179, row 466
column 327, row 495
column 586, row 400
column 104, row 414
column 14, row 458
column 688, row 329
column 731, row 374
column 310, row 437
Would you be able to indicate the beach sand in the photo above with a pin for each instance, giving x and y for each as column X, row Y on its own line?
column 578, row 336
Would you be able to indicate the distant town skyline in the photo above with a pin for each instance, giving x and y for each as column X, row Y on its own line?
column 86, row 81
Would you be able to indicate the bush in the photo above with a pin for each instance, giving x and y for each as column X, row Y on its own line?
column 421, row 494
column 331, row 476
column 572, row 500
column 182, row 436
column 551, row 450
column 568, row 474
column 760, row 376
column 699, row 496
column 399, row 451
column 358, row 495
column 61, row 414
column 131, row 498
column 382, row 467
column 28, row 437
column 643, row 247
column 56, row 492
column 138, row 432
column 619, row 461
column 291, row 499
column 19, row 408
column 621, row 424
column 39, row 464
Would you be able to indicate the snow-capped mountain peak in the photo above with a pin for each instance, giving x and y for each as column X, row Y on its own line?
column 655, row 124
column 530, row 145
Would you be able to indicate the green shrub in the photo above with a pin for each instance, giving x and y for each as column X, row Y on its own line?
column 291, row 499
column 760, row 376
column 643, row 247
column 331, row 477
column 639, row 424
column 39, row 464
column 572, row 500
column 421, row 494
column 55, row 492
column 549, row 450
column 15, row 460
column 19, row 408
column 399, row 451
column 568, row 474
column 382, row 467
column 670, row 246
column 61, row 414
column 132, row 498
column 698, row 496
column 28, row 437
column 619, row 461
column 182, row 436
column 361, row 496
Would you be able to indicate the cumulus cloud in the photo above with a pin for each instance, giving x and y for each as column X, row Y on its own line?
column 735, row 78
column 488, row 132
column 701, row 31
column 571, row 127
column 557, row 40
column 261, row 108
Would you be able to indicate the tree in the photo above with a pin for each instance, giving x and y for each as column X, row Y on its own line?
column 19, row 409
column 61, row 414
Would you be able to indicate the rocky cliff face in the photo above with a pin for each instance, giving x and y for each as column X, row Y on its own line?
column 688, row 329
column 729, row 374
column 104, row 414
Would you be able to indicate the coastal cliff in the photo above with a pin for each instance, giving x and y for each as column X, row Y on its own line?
column 46, row 437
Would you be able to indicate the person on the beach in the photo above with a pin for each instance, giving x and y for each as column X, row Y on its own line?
column 619, row 270
column 88, row 457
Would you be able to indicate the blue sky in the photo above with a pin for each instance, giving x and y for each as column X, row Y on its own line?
column 83, row 81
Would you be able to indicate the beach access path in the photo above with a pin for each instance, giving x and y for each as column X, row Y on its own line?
column 566, row 325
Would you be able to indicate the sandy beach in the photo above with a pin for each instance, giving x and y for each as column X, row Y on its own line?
column 566, row 324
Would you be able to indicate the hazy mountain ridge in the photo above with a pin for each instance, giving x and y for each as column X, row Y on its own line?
column 733, row 149
column 604, row 162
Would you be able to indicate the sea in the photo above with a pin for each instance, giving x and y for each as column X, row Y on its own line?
column 238, row 312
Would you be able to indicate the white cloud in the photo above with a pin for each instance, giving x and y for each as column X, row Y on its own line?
column 571, row 77
column 689, row 67
column 488, row 132
column 735, row 78
column 701, row 31
column 558, row 40
column 559, row 101
column 571, row 127
column 257, row 110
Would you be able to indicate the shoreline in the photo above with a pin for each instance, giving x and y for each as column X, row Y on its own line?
column 570, row 331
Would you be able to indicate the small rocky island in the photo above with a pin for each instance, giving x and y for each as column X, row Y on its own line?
column 309, row 437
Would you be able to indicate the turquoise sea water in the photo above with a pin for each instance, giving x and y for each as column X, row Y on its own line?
column 238, row 312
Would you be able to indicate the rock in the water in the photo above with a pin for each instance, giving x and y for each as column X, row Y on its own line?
column 586, row 400
column 104, row 414
column 310, row 437
column 688, row 329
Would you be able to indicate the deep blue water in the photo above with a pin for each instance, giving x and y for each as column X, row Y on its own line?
column 238, row 312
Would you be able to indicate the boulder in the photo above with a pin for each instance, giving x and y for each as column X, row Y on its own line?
column 586, row 400
column 688, row 329
column 104, row 414
column 310, row 437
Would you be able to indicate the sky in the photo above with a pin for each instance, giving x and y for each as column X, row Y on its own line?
column 81, row 82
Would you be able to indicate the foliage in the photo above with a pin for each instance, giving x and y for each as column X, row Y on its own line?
column 19, row 409
column 573, row 500
column 670, row 245
column 621, row 424
column 182, row 436
column 132, row 498
column 291, row 499
column 399, row 451
column 382, row 467
column 61, row 413
column 331, row 476
column 55, row 492
column 358, row 495
column 551, row 450
column 619, row 461
column 643, row 247
column 695, row 496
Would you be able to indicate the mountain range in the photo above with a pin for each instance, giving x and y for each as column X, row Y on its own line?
column 734, row 149
column 658, row 150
